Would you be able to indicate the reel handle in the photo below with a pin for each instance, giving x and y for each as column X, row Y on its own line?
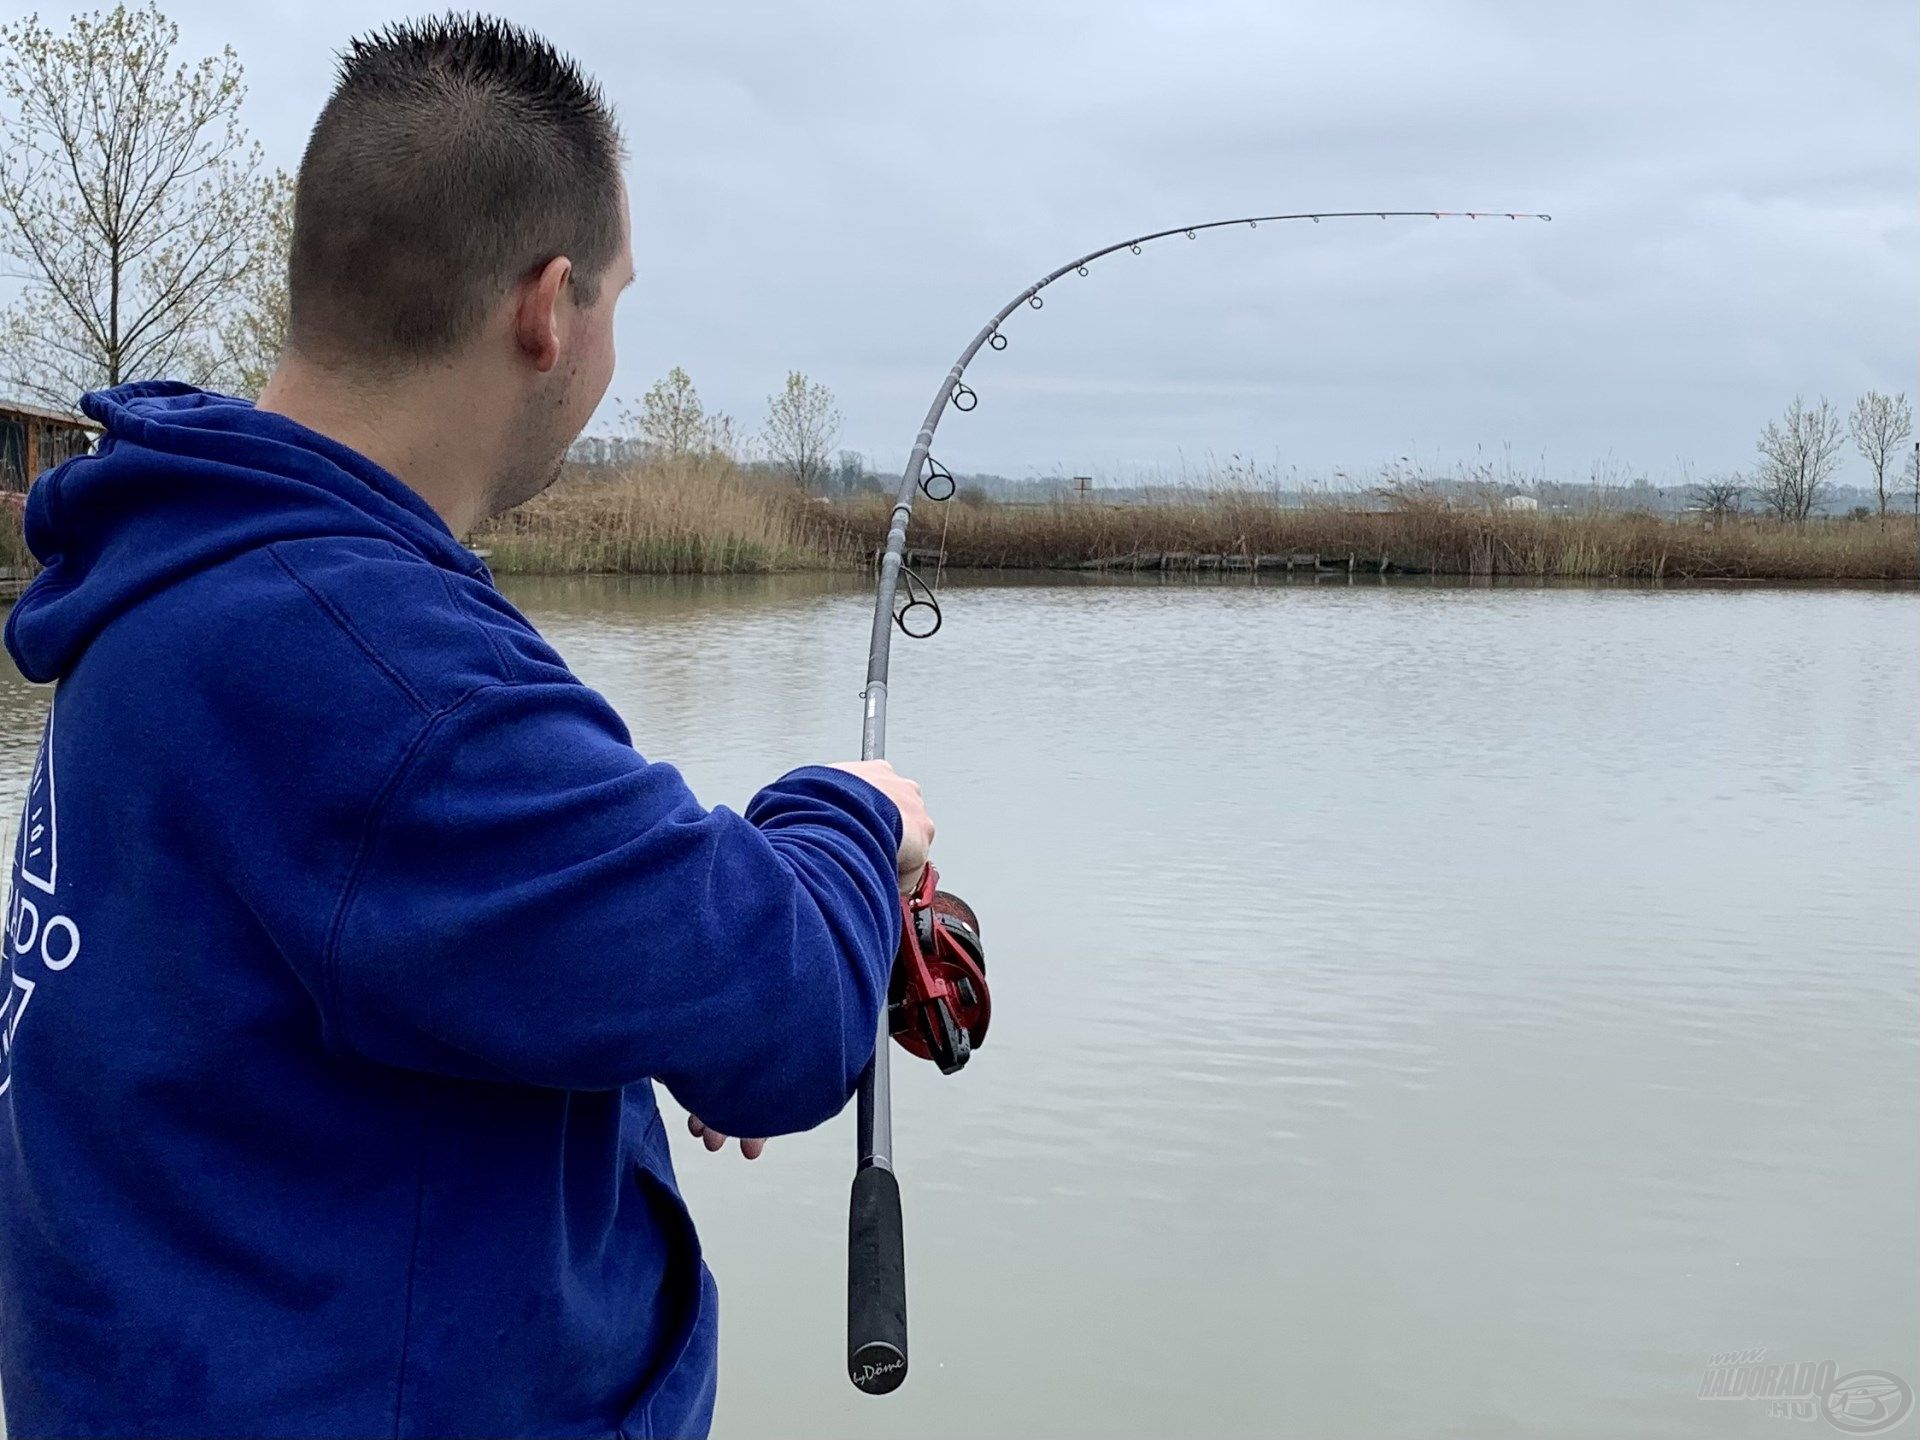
column 876, row 1283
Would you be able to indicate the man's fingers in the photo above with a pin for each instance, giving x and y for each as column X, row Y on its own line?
column 714, row 1140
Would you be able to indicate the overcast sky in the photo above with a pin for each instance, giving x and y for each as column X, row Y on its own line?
column 851, row 187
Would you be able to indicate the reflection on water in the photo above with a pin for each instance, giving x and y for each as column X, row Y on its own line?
column 1421, row 1010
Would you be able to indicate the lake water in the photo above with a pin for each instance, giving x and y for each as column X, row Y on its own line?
column 1420, row 1010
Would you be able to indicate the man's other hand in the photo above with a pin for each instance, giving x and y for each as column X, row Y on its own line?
column 714, row 1140
column 916, row 827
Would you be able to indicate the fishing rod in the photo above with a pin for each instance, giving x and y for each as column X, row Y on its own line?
column 937, row 1004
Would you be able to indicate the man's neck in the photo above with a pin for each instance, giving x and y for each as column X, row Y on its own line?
column 418, row 429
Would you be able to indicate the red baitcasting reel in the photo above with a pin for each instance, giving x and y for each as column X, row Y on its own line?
column 938, row 1006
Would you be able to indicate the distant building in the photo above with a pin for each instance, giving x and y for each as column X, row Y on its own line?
column 1521, row 502
column 34, row 439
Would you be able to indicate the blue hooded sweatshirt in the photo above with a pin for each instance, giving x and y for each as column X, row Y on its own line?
column 347, row 937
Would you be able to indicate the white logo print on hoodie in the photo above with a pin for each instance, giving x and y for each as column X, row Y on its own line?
column 33, row 929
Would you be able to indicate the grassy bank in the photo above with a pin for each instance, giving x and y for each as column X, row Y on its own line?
column 711, row 519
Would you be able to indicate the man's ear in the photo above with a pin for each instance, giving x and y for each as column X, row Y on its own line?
column 536, row 317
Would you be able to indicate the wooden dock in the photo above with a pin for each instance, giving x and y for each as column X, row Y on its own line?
column 1182, row 560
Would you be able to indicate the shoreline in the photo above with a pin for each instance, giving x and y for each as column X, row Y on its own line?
column 709, row 517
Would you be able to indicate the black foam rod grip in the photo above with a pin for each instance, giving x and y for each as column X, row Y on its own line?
column 876, row 1284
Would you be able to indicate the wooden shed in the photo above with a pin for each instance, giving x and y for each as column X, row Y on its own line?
column 34, row 439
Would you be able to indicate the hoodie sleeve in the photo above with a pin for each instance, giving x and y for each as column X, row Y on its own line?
column 536, row 903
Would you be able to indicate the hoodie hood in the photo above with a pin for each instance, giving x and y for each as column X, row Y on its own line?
column 182, row 480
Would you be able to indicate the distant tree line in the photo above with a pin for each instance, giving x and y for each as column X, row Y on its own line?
column 795, row 438
column 1800, row 452
column 1799, row 455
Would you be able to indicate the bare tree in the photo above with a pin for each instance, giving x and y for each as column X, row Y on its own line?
column 131, row 202
column 802, row 423
column 1797, row 455
column 1719, row 495
column 671, row 420
column 1880, row 424
column 253, row 332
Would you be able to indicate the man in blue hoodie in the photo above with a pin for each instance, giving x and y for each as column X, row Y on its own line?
column 348, row 933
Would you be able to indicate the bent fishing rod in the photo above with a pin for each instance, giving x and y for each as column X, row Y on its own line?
column 937, row 1003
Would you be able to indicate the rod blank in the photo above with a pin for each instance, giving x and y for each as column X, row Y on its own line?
column 876, row 1258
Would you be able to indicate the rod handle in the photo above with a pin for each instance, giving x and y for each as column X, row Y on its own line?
column 876, row 1284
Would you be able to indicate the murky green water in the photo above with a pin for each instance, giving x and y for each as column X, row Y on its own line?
column 1420, row 1011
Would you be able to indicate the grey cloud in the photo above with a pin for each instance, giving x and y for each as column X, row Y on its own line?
column 851, row 188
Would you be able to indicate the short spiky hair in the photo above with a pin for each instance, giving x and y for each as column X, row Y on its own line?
column 454, row 156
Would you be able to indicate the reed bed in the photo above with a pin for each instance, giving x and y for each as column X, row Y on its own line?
column 709, row 517
column 1423, row 536
column 685, row 517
